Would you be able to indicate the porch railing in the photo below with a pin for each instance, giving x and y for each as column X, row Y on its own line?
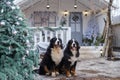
column 42, row 35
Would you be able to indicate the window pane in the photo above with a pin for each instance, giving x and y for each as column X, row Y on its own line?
column 116, row 12
column 77, row 27
column 73, row 27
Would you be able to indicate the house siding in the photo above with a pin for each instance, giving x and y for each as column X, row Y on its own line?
column 116, row 35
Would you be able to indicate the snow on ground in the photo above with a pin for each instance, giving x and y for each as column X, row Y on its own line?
column 99, row 66
column 91, row 68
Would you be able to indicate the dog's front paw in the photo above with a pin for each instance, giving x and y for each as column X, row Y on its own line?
column 47, row 74
column 75, row 74
column 53, row 74
column 57, row 73
column 69, row 75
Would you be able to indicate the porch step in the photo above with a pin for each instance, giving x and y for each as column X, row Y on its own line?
column 116, row 54
column 117, row 49
column 88, row 52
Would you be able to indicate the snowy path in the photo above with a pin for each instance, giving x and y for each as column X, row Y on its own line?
column 91, row 68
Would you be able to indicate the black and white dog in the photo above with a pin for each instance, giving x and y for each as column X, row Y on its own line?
column 71, row 54
column 52, row 58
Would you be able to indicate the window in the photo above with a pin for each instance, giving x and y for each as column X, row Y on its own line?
column 44, row 19
column 116, row 11
column 115, row 14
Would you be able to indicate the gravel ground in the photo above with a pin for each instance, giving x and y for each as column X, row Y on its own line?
column 91, row 69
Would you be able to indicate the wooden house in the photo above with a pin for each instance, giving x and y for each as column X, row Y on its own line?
column 82, row 20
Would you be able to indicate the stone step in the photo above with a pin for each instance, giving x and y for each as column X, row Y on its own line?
column 116, row 54
column 88, row 52
column 91, row 47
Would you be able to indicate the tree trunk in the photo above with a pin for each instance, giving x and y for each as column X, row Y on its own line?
column 110, row 38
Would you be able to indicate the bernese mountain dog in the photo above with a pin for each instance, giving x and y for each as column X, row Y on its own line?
column 53, row 56
column 69, row 61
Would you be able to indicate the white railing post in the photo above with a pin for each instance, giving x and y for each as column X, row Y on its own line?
column 65, row 36
column 56, row 34
column 35, row 40
column 62, row 37
column 51, row 34
column 68, row 36
column 40, row 36
column 45, row 36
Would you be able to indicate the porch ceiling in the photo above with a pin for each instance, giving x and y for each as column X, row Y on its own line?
column 82, row 4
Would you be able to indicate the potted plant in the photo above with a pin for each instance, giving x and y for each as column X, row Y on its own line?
column 99, row 41
column 63, row 21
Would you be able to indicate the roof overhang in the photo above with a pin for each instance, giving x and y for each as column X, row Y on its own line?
column 95, row 5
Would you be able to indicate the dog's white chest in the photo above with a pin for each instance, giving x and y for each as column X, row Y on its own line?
column 57, row 56
column 73, row 58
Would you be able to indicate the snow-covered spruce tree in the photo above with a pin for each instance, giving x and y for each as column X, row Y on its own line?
column 17, row 59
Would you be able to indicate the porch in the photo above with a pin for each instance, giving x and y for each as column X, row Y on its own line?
column 84, row 17
column 42, row 36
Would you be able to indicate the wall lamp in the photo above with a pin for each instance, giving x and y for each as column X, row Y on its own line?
column 75, row 4
column 65, row 12
column 47, row 6
column 85, row 12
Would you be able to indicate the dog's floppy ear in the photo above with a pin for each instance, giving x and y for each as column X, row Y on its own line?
column 51, row 43
column 51, row 40
column 78, row 46
column 68, row 44
column 61, row 45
